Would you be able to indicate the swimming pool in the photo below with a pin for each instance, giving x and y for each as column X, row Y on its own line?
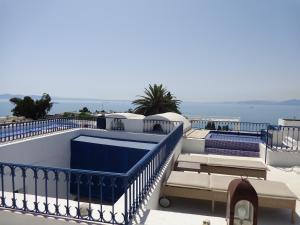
column 235, row 137
column 240, row 144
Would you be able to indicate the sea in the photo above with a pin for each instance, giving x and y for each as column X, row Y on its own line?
column 246, row 112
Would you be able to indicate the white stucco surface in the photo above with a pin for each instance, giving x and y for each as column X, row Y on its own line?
column 193, row 145
column 170, row 116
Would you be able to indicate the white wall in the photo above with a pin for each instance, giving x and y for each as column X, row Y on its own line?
column 134, row 125
column 47, row 150
column 193, row 145
column 130, row 125
column 280, row 158
column 123, row 135
column 283, row 159
column 289, row 122
column 51, row 150
column 262, row 151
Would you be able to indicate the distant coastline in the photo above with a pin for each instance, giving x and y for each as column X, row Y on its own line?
column 251, row 111
column 295, row 102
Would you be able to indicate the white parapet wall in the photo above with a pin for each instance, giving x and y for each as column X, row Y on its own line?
column 262, row 151
column 127, row 135
column 193, row 145
column 51, row 150
column 280, row 158
column 130, row 125
column 46, row 150
column 283, row 158
column 289, row 122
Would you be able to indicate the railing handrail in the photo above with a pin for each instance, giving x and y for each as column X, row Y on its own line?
column 282, row 126
column 153, row 151
column 229, row 121
column 161, row 120
column 64, row 170
column 25, row 129
column 92, row 118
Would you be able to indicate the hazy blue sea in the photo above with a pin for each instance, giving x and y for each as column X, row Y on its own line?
column 251, row 113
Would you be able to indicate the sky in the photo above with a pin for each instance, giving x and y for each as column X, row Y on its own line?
column 211, row 50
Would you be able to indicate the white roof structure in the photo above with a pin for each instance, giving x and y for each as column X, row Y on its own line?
column 125, row 116
column 171, row 116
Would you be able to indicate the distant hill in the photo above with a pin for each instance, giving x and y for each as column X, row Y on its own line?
column 9, row 96
column 54, row 98
column 262, row 102
column 252, row 102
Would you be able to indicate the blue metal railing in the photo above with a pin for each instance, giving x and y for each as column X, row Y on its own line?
column 144, row 173
column 283, row 138
column 20, row 130
column 39, row 190
column 60, row 192
column 223, row 125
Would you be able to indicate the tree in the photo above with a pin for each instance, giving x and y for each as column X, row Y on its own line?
column 84, row 110
column 43, row 106
column 130, row 110
column 210, row 126
column 29, row 108
column 85, row 113
column 157, row 99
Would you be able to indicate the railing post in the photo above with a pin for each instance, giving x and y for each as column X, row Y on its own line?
column 2, row 185
column 126, row 220
column 267, row 142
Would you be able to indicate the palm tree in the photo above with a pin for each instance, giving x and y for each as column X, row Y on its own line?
column 157, row 99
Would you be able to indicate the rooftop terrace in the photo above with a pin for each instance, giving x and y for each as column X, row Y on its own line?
column 38, row 183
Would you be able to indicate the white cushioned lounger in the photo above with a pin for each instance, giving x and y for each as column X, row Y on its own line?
column 271, row 194
column 230, row 165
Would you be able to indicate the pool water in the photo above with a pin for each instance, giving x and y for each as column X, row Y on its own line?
column 235, row 137
column 242, row 144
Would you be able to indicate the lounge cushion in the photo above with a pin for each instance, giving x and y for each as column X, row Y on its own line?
column 272, row 188
column 262, row 187
column 226, row 161
column 189, row 180
column 231, row 161
column 202, row 159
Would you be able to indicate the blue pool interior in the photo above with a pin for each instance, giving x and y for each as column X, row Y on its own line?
column 107, row 155
column 239, row 137
column 233, row 143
